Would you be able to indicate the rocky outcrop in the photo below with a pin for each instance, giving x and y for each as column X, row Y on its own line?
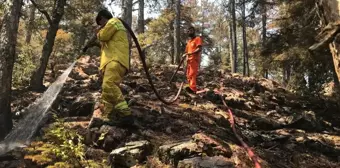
column 130, row 154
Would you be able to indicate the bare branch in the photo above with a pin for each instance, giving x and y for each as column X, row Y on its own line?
column 40, row 9
column 134, row 3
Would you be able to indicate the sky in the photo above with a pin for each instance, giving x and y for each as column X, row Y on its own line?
column 116, row 10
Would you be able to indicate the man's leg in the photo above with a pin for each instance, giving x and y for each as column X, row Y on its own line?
column 192, row 74
column 113, row 106
column 112, row 97
column 187, row 74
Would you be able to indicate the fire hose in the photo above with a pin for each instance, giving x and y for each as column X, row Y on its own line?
column 142, row 57
column 173, row 75
column 250, row 152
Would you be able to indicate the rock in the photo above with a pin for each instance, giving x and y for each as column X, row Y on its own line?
column 91, row 69
column 259, row 88
column 300, row 139
column 266, row 124
column 282, row 120
column 211, row 96
column 168, row 130
column 323, row 148
column 131, row 84
column 111, row 137
column 142, row 89
column 211, row 146
column 91, row 136
column 287, row 109
column 92, row 153
column 271, row 113
column 172, row 153
column 235, row 101
column 221, row 120
column 200, row 144
column 106, row 138
column 137, row 96
column 78, row 74
column 13, row 164
column 306, row 121
column 132, row 102
column 84, row 59
column 131, row 154
column 82, row 106
column 125, row 89
column 206, row 162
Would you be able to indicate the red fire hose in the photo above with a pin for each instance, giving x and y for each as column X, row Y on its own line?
column 250, row 152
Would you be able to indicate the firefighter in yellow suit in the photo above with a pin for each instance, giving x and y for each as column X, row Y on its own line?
column 114, row 64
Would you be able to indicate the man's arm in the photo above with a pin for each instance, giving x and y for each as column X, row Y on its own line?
column 198, row 49
column 109, row 29
column 198, row 42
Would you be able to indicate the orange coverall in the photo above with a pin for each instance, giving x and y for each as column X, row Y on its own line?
column 193, row 61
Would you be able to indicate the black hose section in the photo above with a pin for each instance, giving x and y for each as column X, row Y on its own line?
column 142, row 57
column 173, row 75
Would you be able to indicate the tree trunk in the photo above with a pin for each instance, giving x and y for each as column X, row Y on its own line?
column 127, row 17
column 331, row 14
column 82, row 37
column 8, row 41
column 244, row 36
column 172, row 50
column 177, row 38
column 141, row 17
column 231, row 48
column 171, row 26
column 233, row 13
column 36, row 82
column 264, row 33
column 127, row 12
column 30, row 24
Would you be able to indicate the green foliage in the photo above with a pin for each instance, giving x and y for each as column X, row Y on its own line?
column 24, row 66
column 287, row 48
column 61, row 147
column 27, row 57
column 70, row 149
column 158, row 37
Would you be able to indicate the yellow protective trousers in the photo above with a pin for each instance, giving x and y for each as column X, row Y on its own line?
column 112, row 97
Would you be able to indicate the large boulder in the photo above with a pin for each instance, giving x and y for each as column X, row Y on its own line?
column 172, row 153
column 106, row 137
column 306, row 120
column 206, row 162
column 200, row 145
column 211, row 146
column 131, row 154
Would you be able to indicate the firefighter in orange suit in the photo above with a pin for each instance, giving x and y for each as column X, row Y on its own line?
column 193, row 53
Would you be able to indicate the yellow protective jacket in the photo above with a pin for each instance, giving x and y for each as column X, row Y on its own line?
column 114, row 44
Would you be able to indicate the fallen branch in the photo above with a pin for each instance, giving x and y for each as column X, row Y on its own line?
column 327, row 35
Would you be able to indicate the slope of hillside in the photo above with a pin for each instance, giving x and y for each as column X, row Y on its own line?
column 283, row 129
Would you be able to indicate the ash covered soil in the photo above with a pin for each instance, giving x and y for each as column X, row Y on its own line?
column 283, row 129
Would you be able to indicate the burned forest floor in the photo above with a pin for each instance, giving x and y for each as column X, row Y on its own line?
column 283, row 129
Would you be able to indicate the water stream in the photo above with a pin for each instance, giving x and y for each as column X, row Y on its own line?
column 27, row 127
